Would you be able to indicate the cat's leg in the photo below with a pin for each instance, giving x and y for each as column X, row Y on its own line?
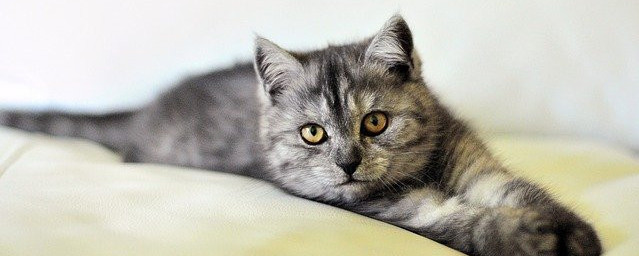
column 532, row 209
column 469, row 228
column 430, row 213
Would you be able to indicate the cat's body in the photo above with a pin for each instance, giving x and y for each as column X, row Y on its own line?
column 353, row 126
column 208, row 121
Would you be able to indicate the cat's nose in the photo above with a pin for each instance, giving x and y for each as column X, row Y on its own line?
column 350, row 167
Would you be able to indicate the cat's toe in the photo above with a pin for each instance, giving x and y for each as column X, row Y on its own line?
column 537, row 234
column 579, row 239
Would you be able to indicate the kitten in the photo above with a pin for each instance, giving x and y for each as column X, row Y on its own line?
column 354, row 126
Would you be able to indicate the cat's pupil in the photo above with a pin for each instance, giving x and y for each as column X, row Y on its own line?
column 313, row 130
column 374, row 120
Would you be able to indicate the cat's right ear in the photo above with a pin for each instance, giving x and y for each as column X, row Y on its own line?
column 392, row 48
column 275, row 66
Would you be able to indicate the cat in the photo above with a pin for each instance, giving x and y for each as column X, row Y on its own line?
column 354, row 126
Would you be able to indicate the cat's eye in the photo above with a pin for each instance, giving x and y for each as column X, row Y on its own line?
column 374, row 123
column 313, row 134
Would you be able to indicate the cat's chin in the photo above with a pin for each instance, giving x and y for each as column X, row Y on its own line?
column 354, row 190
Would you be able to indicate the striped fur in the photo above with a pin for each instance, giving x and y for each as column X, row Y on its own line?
column 427, row 172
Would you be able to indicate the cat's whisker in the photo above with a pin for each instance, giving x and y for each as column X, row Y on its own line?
column 384, row 184
column 396, row 182
column 398, row 171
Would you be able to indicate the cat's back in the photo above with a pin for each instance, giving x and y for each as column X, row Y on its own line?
column 229, row 85
column 207, row 121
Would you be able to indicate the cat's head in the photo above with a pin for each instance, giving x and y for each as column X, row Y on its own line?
column 346, row 121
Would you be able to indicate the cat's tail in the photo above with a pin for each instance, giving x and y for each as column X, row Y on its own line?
column 113, row 129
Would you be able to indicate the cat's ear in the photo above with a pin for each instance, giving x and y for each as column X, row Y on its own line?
column 275, row 66
column 392, row 47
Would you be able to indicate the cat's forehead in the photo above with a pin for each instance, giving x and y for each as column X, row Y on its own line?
column 336, row 91
column 336, row 71
column 330, row 84
column 336, row 86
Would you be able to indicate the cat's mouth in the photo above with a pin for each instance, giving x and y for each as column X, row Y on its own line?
column 350, row 181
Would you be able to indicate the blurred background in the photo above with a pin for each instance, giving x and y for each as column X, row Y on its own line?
column 568, row 68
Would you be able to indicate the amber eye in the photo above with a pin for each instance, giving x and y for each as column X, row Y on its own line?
column 313, row 134
column 374, row 123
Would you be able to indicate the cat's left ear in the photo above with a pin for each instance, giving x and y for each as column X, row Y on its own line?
column 392, row 48
column 275, row 67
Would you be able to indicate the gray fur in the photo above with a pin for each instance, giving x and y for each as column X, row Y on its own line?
column 427, row 172
column 209, row 121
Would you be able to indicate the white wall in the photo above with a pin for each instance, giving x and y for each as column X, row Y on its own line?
column 552, row 67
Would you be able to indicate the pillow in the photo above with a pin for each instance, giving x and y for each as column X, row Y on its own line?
column 74, row 197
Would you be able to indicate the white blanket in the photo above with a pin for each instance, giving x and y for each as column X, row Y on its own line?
column 73, row 197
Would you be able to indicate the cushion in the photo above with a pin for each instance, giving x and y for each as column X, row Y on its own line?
column 74, row 197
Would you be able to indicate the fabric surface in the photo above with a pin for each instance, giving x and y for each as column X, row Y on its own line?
column 73, row 197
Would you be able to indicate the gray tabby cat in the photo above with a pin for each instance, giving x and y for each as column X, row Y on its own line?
column 353, row 126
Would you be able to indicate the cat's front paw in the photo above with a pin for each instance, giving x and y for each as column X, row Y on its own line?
column 531, row 232
column 576, row 237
